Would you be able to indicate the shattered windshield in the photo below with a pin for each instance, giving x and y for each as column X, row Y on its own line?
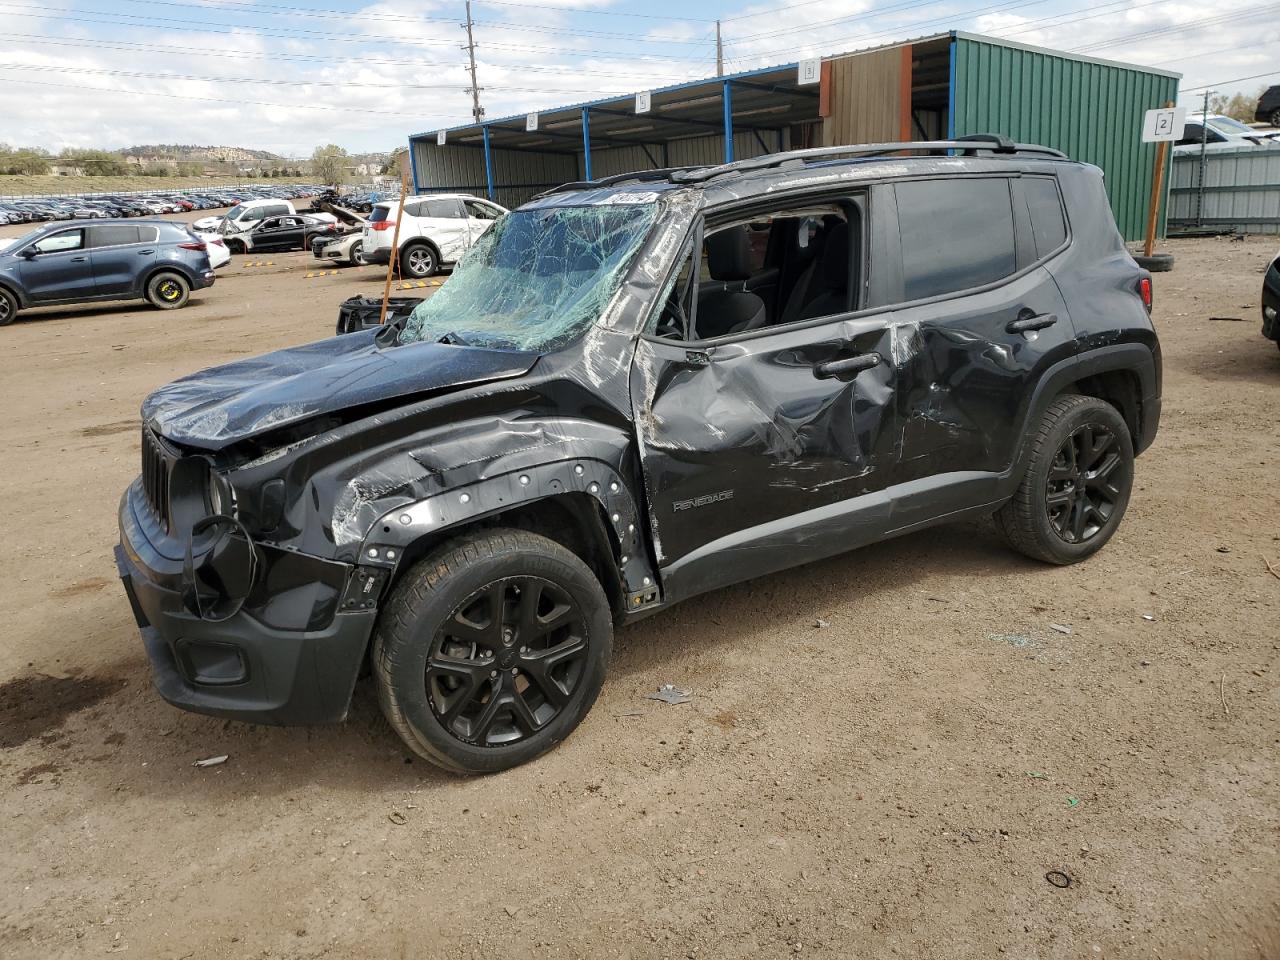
column 536, row 279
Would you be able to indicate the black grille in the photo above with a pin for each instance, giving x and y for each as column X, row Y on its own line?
column 155, row 475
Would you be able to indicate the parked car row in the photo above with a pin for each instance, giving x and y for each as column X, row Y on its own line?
column 1214, row 131
column 41, row 209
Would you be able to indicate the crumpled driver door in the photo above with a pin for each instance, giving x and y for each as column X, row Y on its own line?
column 765, row 452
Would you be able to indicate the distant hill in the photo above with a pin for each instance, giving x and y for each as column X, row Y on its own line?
column 192, row 152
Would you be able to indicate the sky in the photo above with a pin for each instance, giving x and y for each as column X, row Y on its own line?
column 288, row 75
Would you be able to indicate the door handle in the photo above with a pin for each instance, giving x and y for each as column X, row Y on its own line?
column 145, row 253
column 79, row 259
column 846, row 369
column 1032, row 321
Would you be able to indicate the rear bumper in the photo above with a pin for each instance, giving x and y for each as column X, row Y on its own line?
column 239, row 668
column 377, row 255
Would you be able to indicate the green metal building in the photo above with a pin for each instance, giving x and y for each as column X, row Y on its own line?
column 945, row 85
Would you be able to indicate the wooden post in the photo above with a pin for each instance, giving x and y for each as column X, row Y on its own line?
column 395, row 250
column 1157, row 182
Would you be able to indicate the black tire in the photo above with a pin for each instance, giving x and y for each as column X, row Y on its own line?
column 419, row 261
column 236, row 246
column 1275, row 117
column 357, row 254
column 1075, row 487
column 455, row 697
column 8, row 307
column 168, row 291
column 1156, row 263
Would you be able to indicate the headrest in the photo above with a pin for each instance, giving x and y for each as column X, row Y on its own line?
column 729, row 254
column 835, row 257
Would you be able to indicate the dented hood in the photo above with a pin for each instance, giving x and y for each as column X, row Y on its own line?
column 221, row 405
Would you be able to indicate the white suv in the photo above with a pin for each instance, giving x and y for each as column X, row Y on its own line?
column 435, row 230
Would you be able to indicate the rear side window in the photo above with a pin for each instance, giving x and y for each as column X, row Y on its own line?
column 956, row 234
column 446, row 209
column 113, row 235
column 1048, row 225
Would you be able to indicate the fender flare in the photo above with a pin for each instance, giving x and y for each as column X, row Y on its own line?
column 397, row 529
column 1134, row 358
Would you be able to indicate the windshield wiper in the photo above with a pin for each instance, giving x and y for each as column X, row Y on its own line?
column 453, row 339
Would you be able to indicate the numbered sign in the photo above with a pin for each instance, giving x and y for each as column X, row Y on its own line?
column 531, row 122
column 810, row 71
column 642, row 102
column 440, row 138
column 1163, row 124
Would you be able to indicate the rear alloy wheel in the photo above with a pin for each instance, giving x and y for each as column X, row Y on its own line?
column 1275, row 117
column 492, row 650
column 418, row 262
column 8, row 307
column 1078, row 478
column 168, row 291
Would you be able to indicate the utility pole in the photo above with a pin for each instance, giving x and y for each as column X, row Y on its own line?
column 1204, row 145
column 477, row 111
column 719, row 52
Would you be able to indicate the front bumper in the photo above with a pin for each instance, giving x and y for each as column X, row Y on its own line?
column 239, row 668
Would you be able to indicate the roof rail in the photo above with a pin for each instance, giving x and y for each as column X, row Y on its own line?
column 639, row 176
column 969, row 146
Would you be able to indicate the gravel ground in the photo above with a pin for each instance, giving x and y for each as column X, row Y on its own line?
column 884, row 756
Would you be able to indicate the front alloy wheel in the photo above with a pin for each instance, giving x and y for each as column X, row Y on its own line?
column 507, row 661
column 491, row 650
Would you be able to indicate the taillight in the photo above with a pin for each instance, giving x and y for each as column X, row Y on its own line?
column 383, row 224
column 194, row 245
column 1144, row 291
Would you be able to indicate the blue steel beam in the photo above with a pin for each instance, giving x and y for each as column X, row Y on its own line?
column 488, row 163
column 586, row 143
column 727, row 96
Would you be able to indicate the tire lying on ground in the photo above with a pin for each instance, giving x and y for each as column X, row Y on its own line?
column 1156, row 263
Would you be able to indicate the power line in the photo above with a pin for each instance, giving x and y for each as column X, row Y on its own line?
column 282, row 33
column 108, row 72
column 1178, row 28
column 131, row 46
column 280, row 10
column 598, row 13
column 239, row 102
column 1216, row 83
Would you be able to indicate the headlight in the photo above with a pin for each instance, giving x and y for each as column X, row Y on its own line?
column 222, row 497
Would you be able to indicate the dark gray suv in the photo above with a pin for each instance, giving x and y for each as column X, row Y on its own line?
column 632, row 391
column 79, row 262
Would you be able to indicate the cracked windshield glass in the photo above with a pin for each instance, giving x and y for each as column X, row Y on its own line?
column 536, row 279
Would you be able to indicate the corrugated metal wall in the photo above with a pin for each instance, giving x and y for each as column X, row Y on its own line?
column 1091, row 111
column 863, row 98
column 1241, row 191
column 519, row 174
column 690, row 151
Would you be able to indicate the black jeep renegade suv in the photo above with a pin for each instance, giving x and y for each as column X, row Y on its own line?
column 632, row 391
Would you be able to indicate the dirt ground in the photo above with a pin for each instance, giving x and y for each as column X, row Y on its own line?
column 885, row 754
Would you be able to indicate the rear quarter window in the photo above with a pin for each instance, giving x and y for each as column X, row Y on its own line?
column 1048, row 223
column 956, row 234
column 379, row 214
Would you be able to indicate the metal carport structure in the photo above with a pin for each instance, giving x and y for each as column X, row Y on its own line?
column 945, row 85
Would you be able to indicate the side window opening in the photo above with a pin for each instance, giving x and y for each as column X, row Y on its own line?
column 956, row 233
column 767, row 270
